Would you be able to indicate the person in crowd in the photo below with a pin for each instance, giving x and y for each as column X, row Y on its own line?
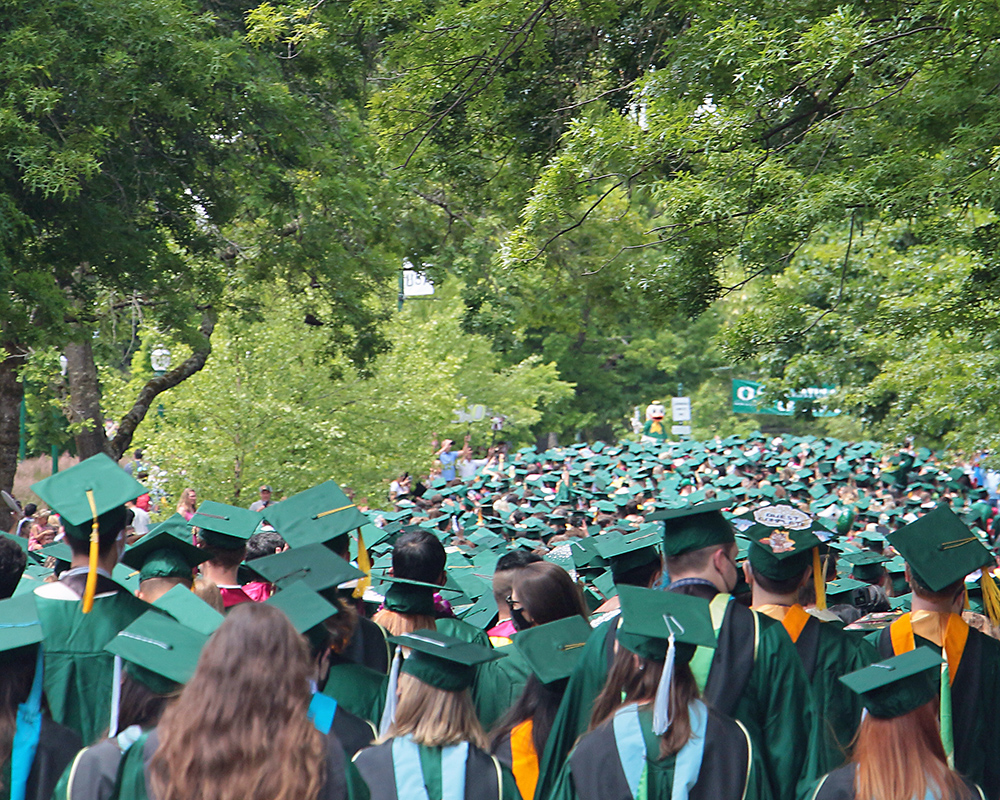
column 435, row 746
column 650, row 727
column 263, row 501
column 34, row 749
column 13, row 560
column 898, row 753
column 223, row 532
column 188, row 504
column 503, row 576
column 203, row 747
column 85, row 608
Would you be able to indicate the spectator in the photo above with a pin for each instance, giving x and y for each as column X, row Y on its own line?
column 447, row 457
column 264, row 501
column 188, row 504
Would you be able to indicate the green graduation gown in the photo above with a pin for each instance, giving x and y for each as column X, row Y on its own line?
column 755, row 677
column 78, row 671
column 975, row 698
column 730, row 768
column 357, row 688
column 485, row 777
column 827, row 652
column 342, row 779
column 499, row 684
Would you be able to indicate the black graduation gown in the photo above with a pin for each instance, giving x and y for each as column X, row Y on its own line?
column 57, row 745
column 368, row 646
column 839, row 785
column 353, row 732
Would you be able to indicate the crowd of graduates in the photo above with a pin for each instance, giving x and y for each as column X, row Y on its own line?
column 740, row 618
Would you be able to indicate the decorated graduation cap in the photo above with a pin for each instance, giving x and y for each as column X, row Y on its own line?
column 693, row 527
column 159, row 651
column 90, row 499
column 653, row 624
column 898, row 685
column 307, row 610
column 163, row 555
column 442, row 661
column 317, row 566
column 315, row 516
column 223, row 526
column 553, row 649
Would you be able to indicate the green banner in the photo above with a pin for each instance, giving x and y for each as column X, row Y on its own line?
column 746, row 394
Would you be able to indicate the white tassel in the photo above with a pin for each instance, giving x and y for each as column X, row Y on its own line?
column 389, row 712
column 116, row 696
column 661, row 704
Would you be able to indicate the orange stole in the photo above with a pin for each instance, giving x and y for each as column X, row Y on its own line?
column 795, row 620
column 955, row 636
column 525, row 759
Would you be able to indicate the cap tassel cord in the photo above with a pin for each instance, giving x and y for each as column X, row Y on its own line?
column 389, row 713
column 819, row 579
column 991, row 596
column 90, row 588
column 365, row 565
column 661, row 704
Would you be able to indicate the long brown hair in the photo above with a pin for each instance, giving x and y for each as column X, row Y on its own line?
column 548, row 593
column 434, row 717
column 900, row 758
column 636, row 679
column 240, row 730
column 17, row 672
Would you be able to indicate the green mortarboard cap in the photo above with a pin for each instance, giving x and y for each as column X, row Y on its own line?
column 940, row 548
column 163, row 555
column 20, row 541
column 842, row 591
column 307, row 610
column 553, row 649
column 161, row 652
column 898, row 685
column 781, row 542
column 317, row 566
column 481, row 613
column 441, row 661
column 410, row 597
column 175, row 524
column 693, row 527
column 127, row 577
column 69, row 492
column 60, row 551
column 626, row 551
column 867, row 565
column 19, row 623
column 225, row 527
column 649, row 616
column 187, row 608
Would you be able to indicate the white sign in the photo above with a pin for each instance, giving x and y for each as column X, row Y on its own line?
column 782, row 517
column 680, row 408
column 416, row 284
column 476, row 413
column 680, row 430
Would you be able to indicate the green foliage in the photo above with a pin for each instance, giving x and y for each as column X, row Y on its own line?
column 271, row 406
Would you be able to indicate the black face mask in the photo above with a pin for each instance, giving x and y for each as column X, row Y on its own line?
column 518, row 619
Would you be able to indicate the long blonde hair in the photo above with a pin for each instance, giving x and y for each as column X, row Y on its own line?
column 240, row 730
column 434, row 717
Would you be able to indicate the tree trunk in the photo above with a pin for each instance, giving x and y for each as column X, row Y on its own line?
column 85, row 400
column 11, row 394
column 191, row 365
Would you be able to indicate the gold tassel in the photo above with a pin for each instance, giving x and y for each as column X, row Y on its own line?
column 819, row 580
column 91, row 586
column 479, row 515
column 991, row 597
column 365, row 565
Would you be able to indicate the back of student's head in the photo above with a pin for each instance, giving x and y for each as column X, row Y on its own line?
column 507, row 566
column 548, row 593
column 418, row 556
column 110, row 526
column 12, row 563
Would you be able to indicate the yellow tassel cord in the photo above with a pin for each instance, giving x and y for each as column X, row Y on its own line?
column 479, row 515
column 819, row 580
column 991, row 597
column 91, row 587
column 365, row 565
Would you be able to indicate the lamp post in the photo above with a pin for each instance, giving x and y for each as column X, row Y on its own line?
column 160, row 361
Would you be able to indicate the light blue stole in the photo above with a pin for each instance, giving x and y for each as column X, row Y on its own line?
column 410, row 775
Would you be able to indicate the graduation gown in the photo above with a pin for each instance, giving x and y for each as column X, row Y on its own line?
column 499, row 684
column 828, row 651
column 94, row 770
column 57, row 745
column 975, row 699
column 598, row 765
column 342, row 779
column 485, row 777
column 78, row 671
column 756, row 677
column 368, row 647
column 357, row 688
column 839, row 785
column 353, row 732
